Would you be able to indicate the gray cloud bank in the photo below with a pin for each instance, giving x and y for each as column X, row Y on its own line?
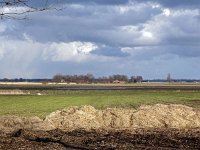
column 151, row 38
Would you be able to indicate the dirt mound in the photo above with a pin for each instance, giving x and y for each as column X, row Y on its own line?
column 87, row 117
column 157, row 116
column 14, row 123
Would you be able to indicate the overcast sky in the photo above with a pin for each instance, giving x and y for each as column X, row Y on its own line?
column 135, row 37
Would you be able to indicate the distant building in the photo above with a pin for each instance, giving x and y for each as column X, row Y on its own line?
column 117, row 81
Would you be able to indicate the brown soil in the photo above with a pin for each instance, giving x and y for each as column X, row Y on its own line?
column 101, row 139
column 149, row 127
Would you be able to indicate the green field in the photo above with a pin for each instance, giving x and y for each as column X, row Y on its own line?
column 34, row 105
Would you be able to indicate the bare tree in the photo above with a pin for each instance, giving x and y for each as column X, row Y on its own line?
column 136, row 79
column 18, row 9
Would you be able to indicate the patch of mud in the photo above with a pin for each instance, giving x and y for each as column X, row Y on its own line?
column 101, row 140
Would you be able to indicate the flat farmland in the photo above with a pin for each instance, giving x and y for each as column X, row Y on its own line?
column 172, row 126
column 57, row 97
column 130, row 86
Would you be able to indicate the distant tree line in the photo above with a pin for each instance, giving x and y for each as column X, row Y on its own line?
column 90, row 78
column 105, row 79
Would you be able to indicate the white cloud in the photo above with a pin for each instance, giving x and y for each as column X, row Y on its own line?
column 73, row 51
column 166, row 12
column 147, row 34
column 24, row 58
column 136, row 7
column 27, row 37
column 138, row 35
column 132, row 6
column 17, row 57
column 28, row 50
column 185, row 12
column 14, row 9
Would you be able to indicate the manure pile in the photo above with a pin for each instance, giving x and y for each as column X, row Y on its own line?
column 153, row 127
column 87, row 117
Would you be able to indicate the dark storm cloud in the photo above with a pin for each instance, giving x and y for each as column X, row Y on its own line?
column 185, row 51
column 175, row 3
column 111, row 26
column 55, row 2
column 113, row 2
column 86, row 23
column 110, row 51
column 166, row 3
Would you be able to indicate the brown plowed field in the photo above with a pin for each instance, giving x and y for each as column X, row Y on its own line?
column 100, row 139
